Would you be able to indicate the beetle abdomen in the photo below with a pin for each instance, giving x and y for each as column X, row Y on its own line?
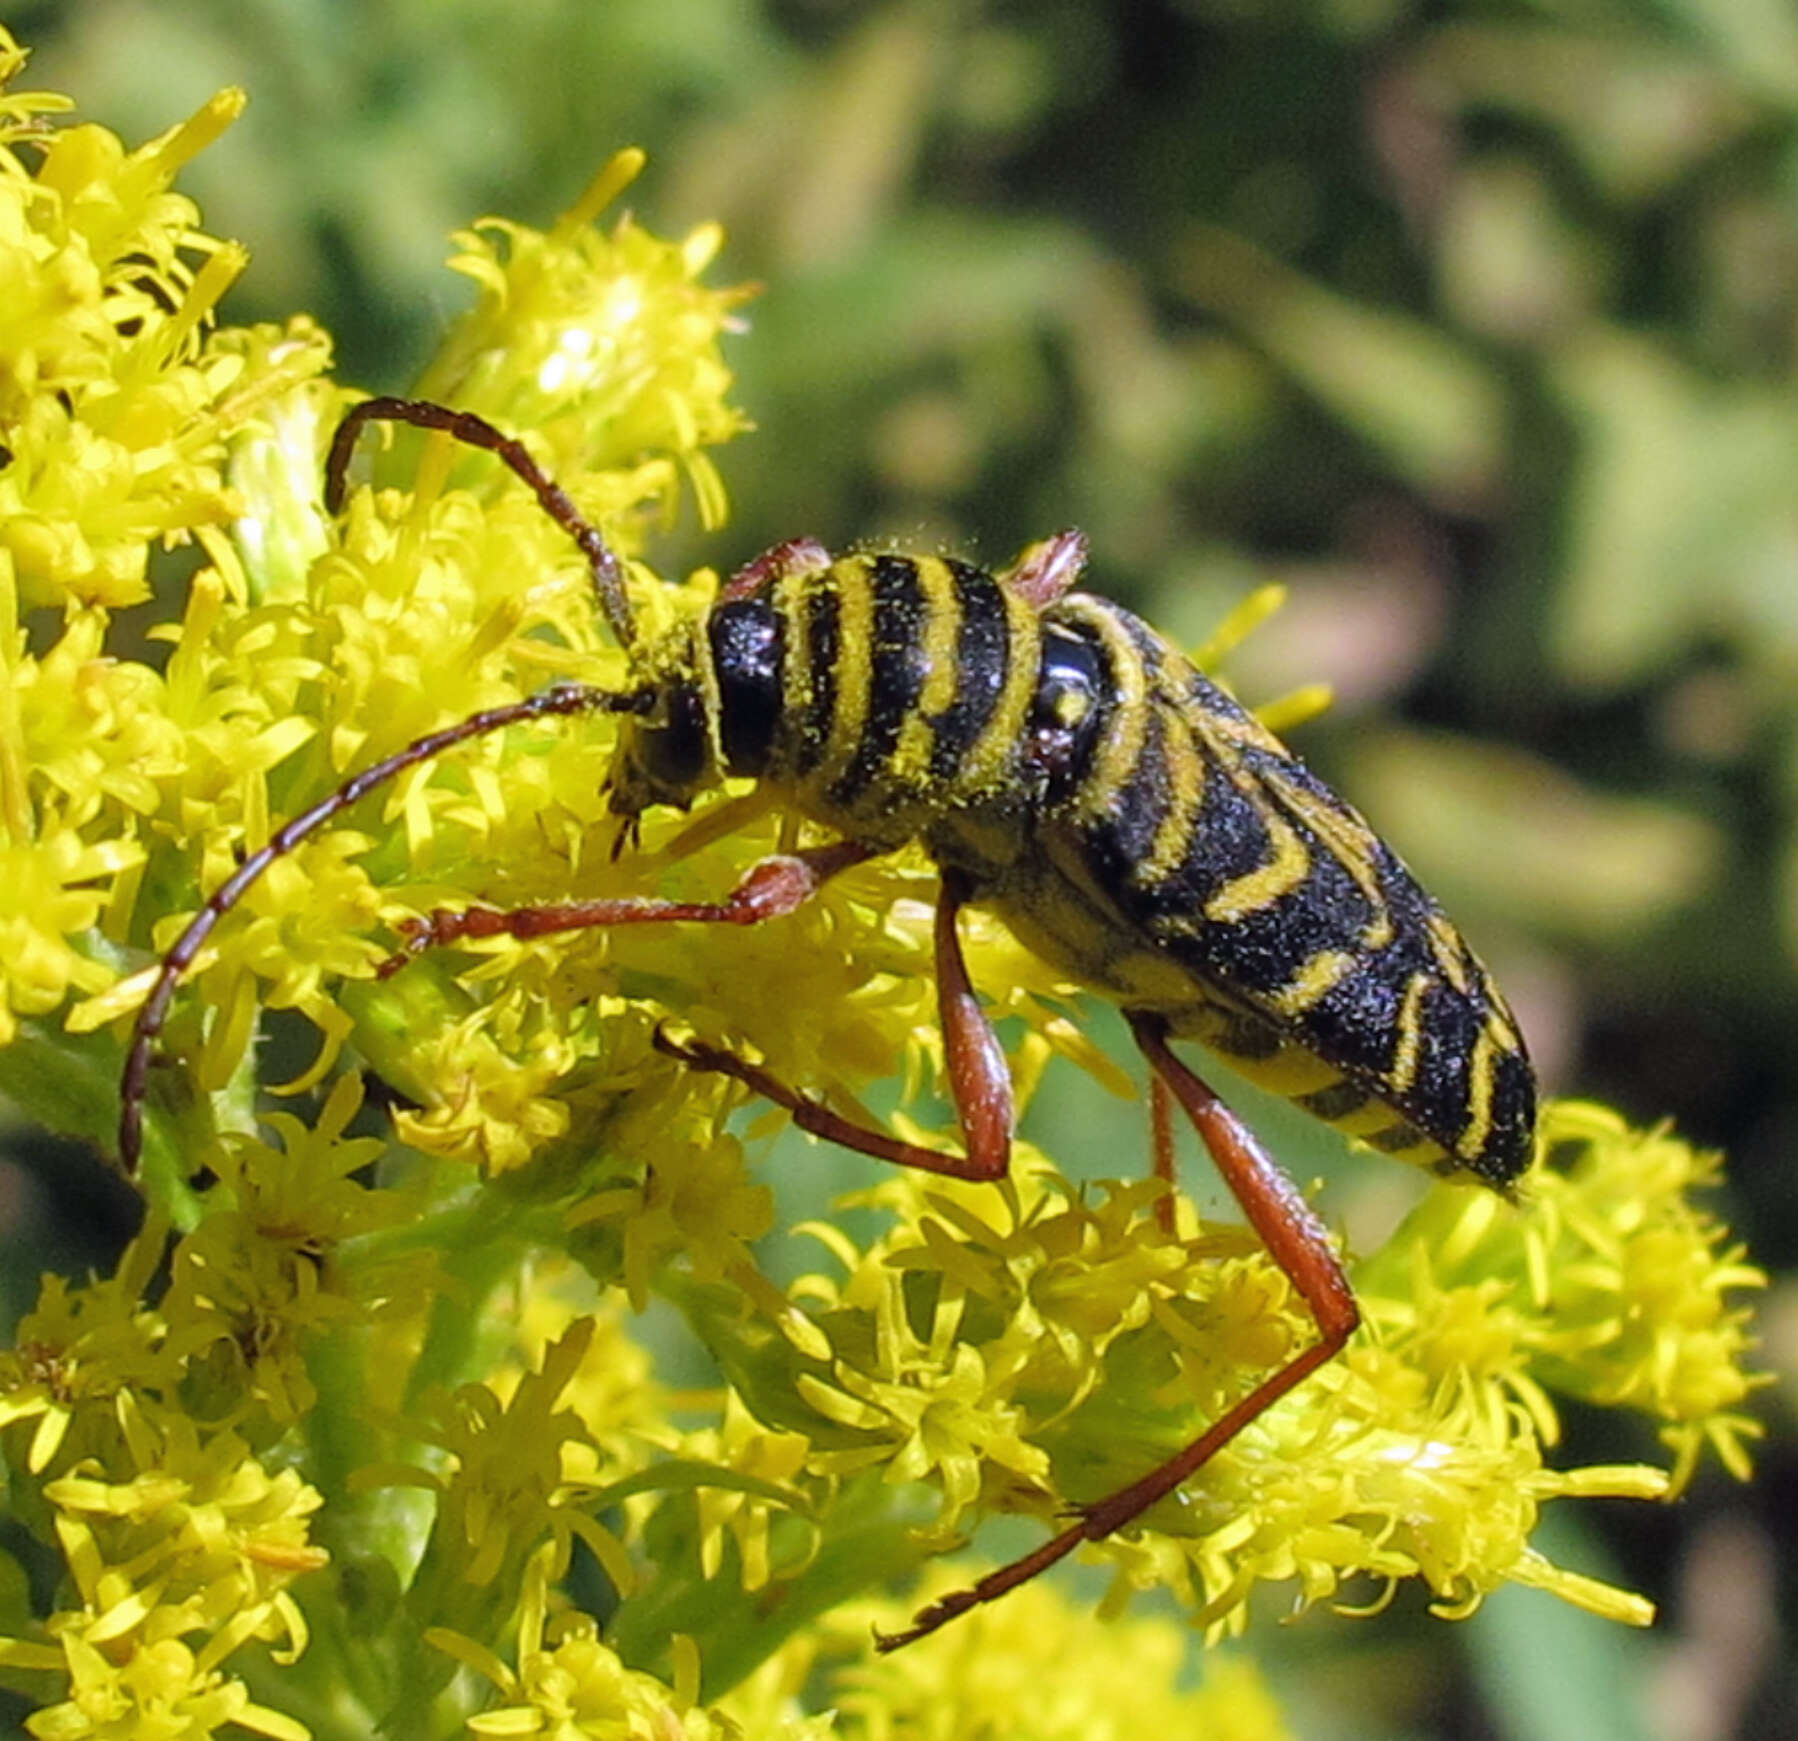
column 1194, row 867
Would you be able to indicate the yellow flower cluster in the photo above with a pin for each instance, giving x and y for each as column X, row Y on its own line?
column 1020, row 1670
column 570, row 1685
column 1614, row 1287
column 1031, row 1346
column 359, row 1435
column 1024, row 1667
column 179, row 1543
column 117, row 402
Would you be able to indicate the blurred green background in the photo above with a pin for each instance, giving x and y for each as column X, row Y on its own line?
column 1474, row 324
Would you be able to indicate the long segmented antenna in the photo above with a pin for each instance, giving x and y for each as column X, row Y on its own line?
column 563, row 699
column 466, row 427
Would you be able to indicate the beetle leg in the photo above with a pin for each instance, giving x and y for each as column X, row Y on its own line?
column 771, row 889
column 1296, row 1241
column 979, row 1077
column 790, row 556
column 1161, row 1149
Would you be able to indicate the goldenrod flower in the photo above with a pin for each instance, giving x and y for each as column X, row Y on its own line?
column 199, row 1543
column 424, row 1353
column 1030, row 1347
column 603, row 345
column 1027, row 1666
column 1616, row 1287
column 116, row 401
column 82, row 1348
column 255, row 1284
column 569, row 1686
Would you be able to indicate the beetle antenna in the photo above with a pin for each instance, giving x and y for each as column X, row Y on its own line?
column 561, row 700
column 465, row 426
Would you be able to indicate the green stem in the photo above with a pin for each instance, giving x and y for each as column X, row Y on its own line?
column 870, row 1543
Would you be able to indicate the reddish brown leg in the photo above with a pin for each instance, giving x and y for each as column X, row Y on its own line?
column 1296, row 1241
column 979, row 1078
column 1161, row 1144
column 771, row 889
column 791, row 556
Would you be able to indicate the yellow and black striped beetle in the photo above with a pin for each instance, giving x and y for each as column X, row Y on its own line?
column 1067, row 768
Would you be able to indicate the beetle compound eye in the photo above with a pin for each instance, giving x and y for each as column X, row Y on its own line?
column 672, row 745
